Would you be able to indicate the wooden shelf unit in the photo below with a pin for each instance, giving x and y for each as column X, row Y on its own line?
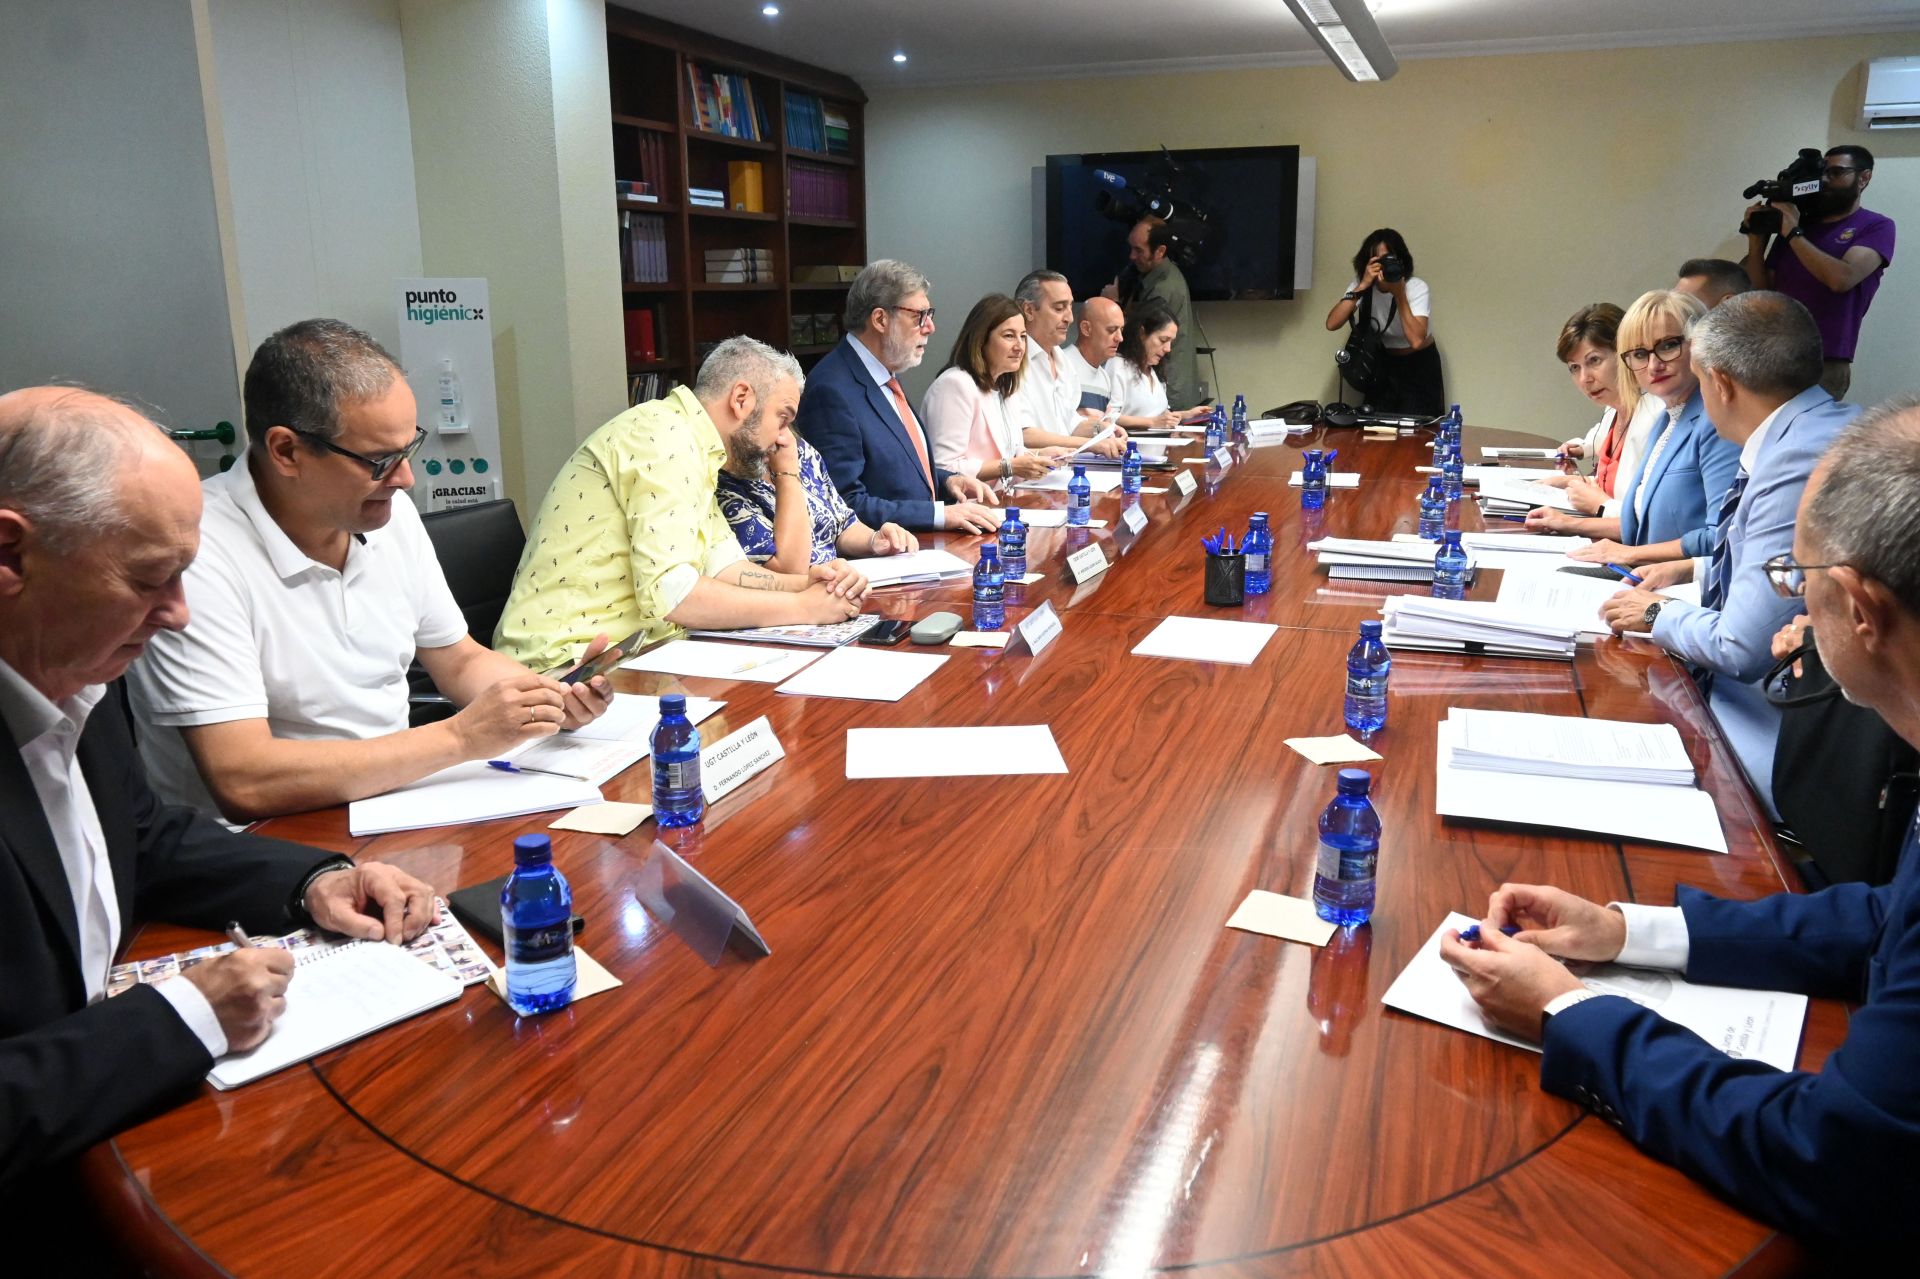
column 653, row 112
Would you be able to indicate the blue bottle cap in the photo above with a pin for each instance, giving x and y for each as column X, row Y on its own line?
column 1370, row 629
column 1079, row 470
column 532, row 850
column 673, row 703
column 1013, row 516
column 1354, row 781
column 990, row 550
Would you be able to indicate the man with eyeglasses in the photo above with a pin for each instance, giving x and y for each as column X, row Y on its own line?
column 1832, row 1155
column 315, row 590
column 855, row 412
column 1833, row 266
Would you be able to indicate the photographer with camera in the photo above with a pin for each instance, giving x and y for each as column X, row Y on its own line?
column 1390, row 359
column 1828, row 253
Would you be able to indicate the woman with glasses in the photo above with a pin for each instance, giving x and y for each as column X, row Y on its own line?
column 1139, row 391
column 970, row 425
column 1687, row 468
column 1388, row 295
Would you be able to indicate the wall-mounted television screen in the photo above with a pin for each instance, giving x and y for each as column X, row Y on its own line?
column 1232, row 210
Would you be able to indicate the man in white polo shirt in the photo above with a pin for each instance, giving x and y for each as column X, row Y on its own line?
column 1047, row 405
column 1102, row 323
column 314, row 591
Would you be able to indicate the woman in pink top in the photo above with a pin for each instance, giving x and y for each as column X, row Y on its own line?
column 971, row 429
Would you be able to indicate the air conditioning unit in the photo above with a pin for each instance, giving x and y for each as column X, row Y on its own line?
column 1892, row 94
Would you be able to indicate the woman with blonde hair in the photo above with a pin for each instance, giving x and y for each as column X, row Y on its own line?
column 1677, row 484
column 971, row 428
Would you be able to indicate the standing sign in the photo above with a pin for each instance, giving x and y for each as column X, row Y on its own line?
column 446, row 344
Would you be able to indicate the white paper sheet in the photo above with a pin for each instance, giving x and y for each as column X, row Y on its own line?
column 1051, row 517
column 469, row 792
column 1761, row 1025
column 1056, row 481
column 996, row 751
column 866, row 674
column 1527, row 493
column 632, row 717
column 1572, row 599
column 929, row 565
column 723, row 659
column 1489, row 451
column 1658, row 814
column 1570, row 746
column 1338, row 480
column 1206, row 639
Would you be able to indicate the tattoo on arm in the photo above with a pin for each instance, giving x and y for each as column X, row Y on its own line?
column 758, row 579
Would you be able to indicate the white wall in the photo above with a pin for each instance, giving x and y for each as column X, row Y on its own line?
column 110, row 262
column 1527, row 186
column 319, row 160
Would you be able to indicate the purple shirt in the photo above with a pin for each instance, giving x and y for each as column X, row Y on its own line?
column 1838, row 314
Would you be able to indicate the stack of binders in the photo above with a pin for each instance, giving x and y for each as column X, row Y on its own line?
column 1357, row 558
column 1475, row 627
column 1508, row 495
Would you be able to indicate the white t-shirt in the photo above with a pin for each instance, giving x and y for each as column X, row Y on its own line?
column 1135, row 394
column 1046, row 400
column 1419, row 301
column 1091, row 380
column 320, row 655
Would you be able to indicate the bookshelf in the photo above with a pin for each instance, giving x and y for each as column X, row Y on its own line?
column 688, row 108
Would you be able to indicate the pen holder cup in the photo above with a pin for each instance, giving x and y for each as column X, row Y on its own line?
column 1227, row 579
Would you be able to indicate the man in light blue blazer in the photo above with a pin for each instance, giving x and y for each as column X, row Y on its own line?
column 1832, row 1156
column 856, row 414
column 1758, row 360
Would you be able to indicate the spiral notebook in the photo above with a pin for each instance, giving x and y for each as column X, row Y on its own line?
column 335, row 997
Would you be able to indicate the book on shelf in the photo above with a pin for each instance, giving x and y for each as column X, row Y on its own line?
column 746, row 186
column 642, row 387
column 739, row 266
column 819, row 191
column 643, row 248
column 646, row 333
column 813, row 126
column 726, row 103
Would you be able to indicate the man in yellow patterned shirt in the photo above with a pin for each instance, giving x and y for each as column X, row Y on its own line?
column 630, row 536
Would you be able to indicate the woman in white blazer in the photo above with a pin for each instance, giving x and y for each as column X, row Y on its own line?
column 971, row 428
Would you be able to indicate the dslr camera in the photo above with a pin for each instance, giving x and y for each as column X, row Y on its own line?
column 1392, row 269
column 1797, row 184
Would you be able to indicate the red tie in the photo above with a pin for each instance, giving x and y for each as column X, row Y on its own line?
column 911, row 426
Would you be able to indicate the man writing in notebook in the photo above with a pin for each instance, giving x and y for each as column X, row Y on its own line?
column 315, row 591
column 99, row 518
column 1833, row 1156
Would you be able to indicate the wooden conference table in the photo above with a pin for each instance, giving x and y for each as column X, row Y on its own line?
column 1003, row 1031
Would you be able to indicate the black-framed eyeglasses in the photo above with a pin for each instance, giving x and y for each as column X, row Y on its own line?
column 1665, row 348
column 921, row 318
column 1835, row 172
column 381, row 466
column 1788, row 576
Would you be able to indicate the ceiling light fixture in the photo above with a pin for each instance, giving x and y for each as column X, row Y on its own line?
column 771, row 10
column 1345, row 29
column 899, row 57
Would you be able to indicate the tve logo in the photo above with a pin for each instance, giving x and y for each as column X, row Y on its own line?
column 429, row 306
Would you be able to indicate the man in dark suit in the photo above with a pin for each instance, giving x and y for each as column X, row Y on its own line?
column 99, row 517
column 1832, row 1156
column 856, row 414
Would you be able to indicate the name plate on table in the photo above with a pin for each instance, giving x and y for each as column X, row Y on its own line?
column 1134, row 518
column 1087, row 563
column 729, row 762
column 1183, row 480
column 1037, row 630
column 689, row 905
column 1223, row 457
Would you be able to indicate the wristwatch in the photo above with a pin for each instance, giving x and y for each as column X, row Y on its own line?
column 1351, row 297
column 1796, row 233
column 1647, row 618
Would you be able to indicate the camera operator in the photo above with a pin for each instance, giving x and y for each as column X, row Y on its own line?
column 1832, row 265
column 1161, row 280
column 1388, row 295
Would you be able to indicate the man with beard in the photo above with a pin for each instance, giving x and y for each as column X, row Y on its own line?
column 630, row 537
column 1832, row 267
column 856, row 413
column 314, row 591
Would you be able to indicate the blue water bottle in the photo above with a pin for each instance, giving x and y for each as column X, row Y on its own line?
column 1433, row 511
column 677, row 797
column 1079, row 497
column 1130, row 469
column 1368, row 665
column 989, row 590
column 536, row 925
column 1217, row 428
column 1259, row 549
column 1013, row 543
column 1450, row 568
column 1453, row 475
column 1313, row 480
column 1240, row 416
column 1349, row 853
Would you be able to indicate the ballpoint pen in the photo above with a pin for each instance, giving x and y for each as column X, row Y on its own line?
column 508, row 766
column 1627, row 574
column 1472, row 931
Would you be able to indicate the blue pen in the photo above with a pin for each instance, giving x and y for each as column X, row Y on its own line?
column 1472, row 931
column 1626, row 574
column 508, row 766
column 1514, row 519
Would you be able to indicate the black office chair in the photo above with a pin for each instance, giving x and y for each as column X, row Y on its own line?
column 478, row 548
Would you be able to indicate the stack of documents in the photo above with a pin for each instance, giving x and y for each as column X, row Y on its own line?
column 1475, row 475
column 1506, row 495
column 601, row 751
column 930, row 565
column 1543, row 455
column 1568, row 746
column 1513, row 552
column 1472, row 626
column 1055, row 481
column 1670, row 811
column 1394, row 561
